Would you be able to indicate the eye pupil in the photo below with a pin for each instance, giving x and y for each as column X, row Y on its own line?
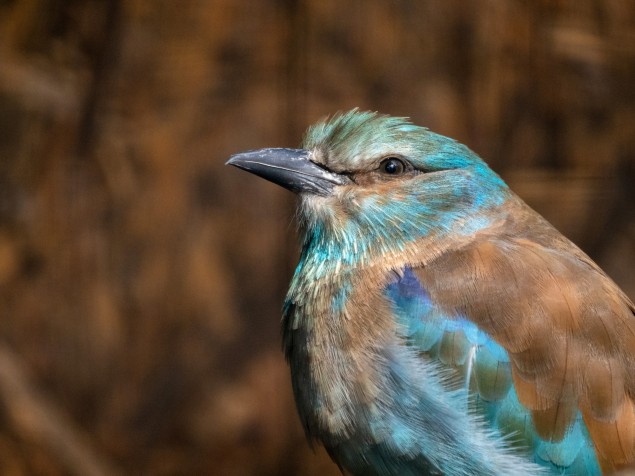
column 392, row 166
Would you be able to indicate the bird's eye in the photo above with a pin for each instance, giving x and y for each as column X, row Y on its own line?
column 392, row 166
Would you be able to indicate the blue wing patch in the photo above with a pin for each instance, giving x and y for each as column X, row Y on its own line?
column 482, row 367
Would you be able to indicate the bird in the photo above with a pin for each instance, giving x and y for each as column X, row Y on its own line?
column 435, row 323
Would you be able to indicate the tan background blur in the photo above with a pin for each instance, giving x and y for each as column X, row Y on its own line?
column 141, row 280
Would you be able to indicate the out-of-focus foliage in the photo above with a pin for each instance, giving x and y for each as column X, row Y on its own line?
column 141, row 280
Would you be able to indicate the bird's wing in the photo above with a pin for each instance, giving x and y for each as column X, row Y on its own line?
column 545, row 338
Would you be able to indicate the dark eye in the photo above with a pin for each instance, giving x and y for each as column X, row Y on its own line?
column 392, row 166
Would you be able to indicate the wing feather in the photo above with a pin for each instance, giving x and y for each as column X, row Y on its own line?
column 568, row 329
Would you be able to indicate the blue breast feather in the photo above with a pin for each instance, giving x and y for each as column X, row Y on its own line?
column 482, row 367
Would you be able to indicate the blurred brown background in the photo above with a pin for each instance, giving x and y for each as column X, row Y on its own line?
column 141, row 280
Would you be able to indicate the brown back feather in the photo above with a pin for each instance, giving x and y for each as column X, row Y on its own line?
column 568, row 329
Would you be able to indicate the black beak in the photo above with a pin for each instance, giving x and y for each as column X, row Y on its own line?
column 289, row 168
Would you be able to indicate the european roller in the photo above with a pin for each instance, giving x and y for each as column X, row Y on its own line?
column 435, row 323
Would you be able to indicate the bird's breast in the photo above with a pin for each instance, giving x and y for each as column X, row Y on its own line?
column 335, row 357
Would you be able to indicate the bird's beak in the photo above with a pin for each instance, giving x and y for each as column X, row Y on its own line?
column 289, row 168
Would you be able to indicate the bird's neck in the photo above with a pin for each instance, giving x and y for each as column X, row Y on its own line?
column 356, row 381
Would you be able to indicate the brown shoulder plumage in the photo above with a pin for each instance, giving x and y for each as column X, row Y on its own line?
column 568, row 329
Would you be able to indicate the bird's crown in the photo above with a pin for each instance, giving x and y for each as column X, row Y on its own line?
column 358, row 141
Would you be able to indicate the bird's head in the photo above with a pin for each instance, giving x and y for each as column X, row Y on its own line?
column 374, row 182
